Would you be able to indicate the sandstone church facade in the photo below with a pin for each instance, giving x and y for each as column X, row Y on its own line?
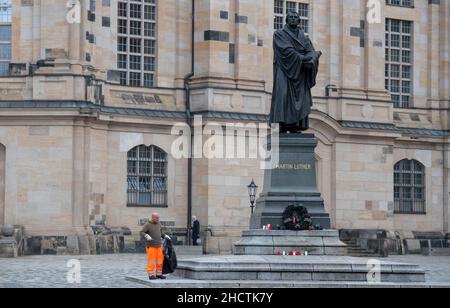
column 90, row 91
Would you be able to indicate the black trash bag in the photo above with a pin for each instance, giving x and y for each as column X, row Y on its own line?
column 170, row 258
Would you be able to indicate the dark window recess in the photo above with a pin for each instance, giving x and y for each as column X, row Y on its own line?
column 88, row 57
column 106, row 22
column 211, row 35
column 91, row 16
column 113, row 75
column 223, row 15
column 232, row 51
column 260, row 42
column 92, row 6
column 355, row 32
column 251, row 39
column 241, row 19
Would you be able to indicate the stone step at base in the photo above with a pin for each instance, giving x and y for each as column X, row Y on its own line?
column 295, row 268
column 189, row 250
column 175, row 282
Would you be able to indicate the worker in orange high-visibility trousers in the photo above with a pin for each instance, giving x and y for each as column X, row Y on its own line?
column 153, row 235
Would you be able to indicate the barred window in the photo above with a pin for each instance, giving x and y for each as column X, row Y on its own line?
column 282, row 7
column 409, row 187
column 5, row 36
column 403, row 3
column 136, row 42
column 398, row 70
column 147, row 177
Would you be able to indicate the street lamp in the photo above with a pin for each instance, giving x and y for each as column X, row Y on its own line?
column 252, row 189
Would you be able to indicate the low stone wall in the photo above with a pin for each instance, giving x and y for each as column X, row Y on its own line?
column 384, row 243
column 102, row 241
column 427, row 243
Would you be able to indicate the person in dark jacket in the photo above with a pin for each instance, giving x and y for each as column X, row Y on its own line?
column 195, row 230
column 153, row 234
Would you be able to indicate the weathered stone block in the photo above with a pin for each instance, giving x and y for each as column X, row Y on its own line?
column 413, row 247
column 92, row 244
column 335, row 251
column 33, row 245
column 73, row 246
column 129, row 244
column 297, row 276
column 61, row 251
column 8, row 248
column 48, row 247
column 273, row 276
column 84, row 246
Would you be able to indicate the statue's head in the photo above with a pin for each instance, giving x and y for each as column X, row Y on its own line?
column 293, row 19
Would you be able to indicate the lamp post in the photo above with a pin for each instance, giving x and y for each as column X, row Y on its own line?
column 252, row 189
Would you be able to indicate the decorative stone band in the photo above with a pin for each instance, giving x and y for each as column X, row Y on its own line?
column 422, row 132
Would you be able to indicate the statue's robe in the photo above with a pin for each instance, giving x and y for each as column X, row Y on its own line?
column 293, row 77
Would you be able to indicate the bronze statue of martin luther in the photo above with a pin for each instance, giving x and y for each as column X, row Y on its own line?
column 296, row 64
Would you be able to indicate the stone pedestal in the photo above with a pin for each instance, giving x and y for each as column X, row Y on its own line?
column 292, row 181
column 259, row 242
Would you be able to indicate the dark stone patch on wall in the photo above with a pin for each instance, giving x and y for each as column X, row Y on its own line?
column 241, row 19
column 113, row 76
column 27, row 2
column 106, row 22
column 91, row 16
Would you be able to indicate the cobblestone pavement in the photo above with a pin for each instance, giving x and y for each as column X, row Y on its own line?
column 102, row 271
column 107, row 271
column 437, row 268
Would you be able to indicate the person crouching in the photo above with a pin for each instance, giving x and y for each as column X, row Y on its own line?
column 153, row 235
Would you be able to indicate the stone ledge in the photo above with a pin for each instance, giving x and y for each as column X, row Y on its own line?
column 198, row 284
column 280, row 268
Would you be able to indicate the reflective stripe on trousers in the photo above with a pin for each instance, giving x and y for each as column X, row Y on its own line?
column 155, row 259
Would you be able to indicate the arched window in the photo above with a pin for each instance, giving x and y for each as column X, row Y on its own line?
column 409, row 187
column 147, row 177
